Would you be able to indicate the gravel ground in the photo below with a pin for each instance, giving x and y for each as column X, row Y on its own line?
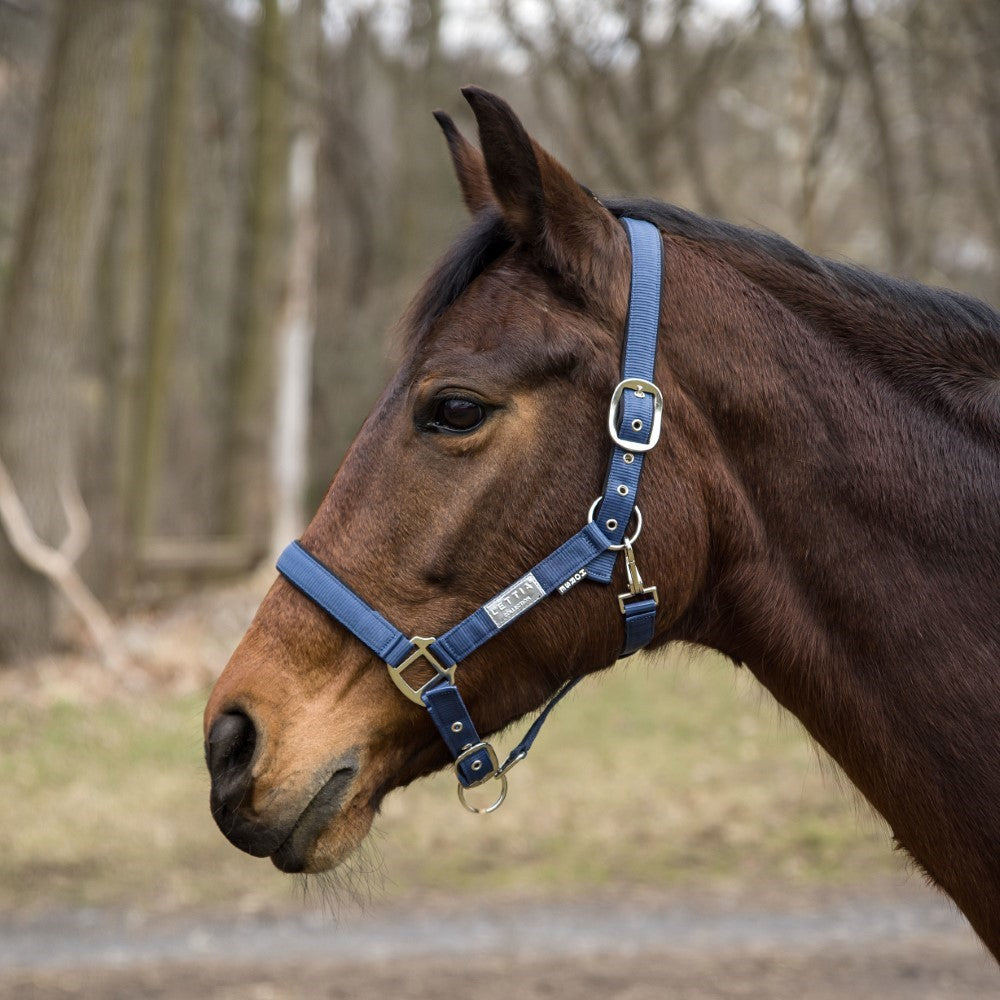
column 910, row 945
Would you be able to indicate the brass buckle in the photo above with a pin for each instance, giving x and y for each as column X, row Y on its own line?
column 640, row 387
column 496, row 772
column 422, row 652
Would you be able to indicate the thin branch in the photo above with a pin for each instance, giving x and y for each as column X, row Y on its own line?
column 55, row 565
column 77, row 520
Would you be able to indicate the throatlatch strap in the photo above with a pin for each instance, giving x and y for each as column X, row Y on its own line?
column 639, row 361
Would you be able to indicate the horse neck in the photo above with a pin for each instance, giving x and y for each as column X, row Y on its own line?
column 857, row 558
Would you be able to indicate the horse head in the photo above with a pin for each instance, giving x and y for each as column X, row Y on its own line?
column 482, row 455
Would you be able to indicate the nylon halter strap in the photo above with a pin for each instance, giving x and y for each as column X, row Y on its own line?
column 634, row 419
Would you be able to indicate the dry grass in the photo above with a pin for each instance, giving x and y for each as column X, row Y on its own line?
column 665, row 771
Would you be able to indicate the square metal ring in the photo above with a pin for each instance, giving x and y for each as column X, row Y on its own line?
column 422, row 652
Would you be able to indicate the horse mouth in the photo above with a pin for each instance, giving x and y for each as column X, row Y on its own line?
column 292, row 855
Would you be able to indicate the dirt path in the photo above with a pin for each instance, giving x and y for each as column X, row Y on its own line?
column 912, row 946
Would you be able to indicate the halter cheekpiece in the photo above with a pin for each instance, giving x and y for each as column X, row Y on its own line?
column 634, row 419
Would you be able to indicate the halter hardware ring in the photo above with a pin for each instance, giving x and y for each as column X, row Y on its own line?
column 496, row 772
column 422, row 652
column 638, row 524
column 640, row 387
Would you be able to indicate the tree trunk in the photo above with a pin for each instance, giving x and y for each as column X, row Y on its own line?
column 257, row 295
column 890, row 177
column 45, row 308
column 297, row 323
column 116, row 364
column 165, row 293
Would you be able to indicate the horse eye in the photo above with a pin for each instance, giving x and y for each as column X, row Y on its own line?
column 458, row 415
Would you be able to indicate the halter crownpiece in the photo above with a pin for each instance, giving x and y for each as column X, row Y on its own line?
column 634, row 421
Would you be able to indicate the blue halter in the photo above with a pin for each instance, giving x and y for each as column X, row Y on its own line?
column 634, row 421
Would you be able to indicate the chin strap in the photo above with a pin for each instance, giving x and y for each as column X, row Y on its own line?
column 634, row 421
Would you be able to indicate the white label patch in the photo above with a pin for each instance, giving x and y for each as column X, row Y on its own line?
column 515, row 600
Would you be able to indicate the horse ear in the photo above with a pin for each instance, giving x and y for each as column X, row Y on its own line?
column 470, row 167
column 543, row 205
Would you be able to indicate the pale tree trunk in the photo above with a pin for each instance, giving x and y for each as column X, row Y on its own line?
column 45, row 309
column 247, row 501
column 297, row 322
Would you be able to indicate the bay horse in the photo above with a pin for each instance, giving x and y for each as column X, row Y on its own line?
column 822, row 506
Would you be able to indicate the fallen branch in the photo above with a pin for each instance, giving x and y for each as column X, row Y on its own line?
column 57, row 565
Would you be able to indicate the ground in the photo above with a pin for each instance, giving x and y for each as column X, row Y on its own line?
column 898, row 943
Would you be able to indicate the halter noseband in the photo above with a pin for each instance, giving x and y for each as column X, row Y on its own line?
column 634, row 419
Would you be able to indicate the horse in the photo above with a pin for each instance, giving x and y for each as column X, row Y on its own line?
column 821, row 507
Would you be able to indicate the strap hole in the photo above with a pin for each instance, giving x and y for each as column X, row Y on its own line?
column 628, row 458
column 637, row 425
column 623, row 490
column 611, row 523
column 477, row 765
column 456, row 727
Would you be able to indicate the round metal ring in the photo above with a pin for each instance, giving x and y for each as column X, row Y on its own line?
column 490, row 808
column 638, row 523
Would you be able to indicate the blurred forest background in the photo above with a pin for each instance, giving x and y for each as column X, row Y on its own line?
column 211, row 211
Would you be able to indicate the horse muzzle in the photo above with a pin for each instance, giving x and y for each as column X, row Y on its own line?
column 289, row 835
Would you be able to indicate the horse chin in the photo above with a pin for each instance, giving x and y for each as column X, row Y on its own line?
column 319, row 843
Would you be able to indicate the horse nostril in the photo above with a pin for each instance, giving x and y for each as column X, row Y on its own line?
column 232, row 741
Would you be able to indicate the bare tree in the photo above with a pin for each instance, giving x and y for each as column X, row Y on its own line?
column 46, row 301
column 887, row 158
column 258, row 290
column 297, row 321
column 166, row 299
column 825, row 79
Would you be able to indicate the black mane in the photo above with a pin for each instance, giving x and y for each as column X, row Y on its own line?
column 482, row 242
